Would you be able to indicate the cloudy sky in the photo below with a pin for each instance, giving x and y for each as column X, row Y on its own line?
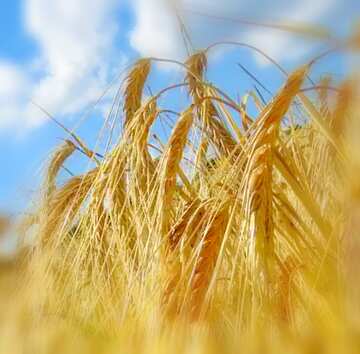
column 64, row 54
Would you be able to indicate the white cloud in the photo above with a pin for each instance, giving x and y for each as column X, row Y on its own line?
column 12, row 81
column 77, row 52
column 156, row 31
column 77, row 57
column 14, row 90
column 284, row 46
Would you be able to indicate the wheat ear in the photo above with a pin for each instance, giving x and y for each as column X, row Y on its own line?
column 170, row 166
column 207, row 258
column 134, row 85
column 58, row 159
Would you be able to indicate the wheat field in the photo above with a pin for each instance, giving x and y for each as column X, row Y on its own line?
column 236, row 233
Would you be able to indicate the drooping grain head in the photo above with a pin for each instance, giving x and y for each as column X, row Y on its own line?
column 134, row 85
column 276, row 109
column 170, row 165
column 65, row 203
column 196, row 65
column 206, row 261
column 57, row 161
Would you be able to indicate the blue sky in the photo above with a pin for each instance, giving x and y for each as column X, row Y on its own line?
column 63, row 54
